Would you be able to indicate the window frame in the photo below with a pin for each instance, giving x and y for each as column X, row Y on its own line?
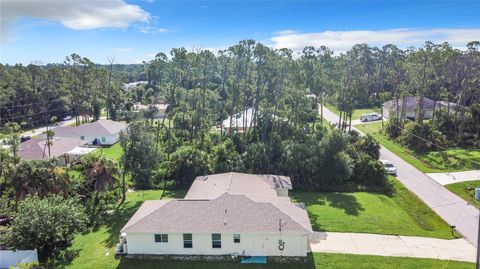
column 162, row 238
column 217, row 243
column 186, row 241
column 237, row 239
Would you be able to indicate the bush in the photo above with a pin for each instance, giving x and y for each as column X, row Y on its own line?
column 393, row 128
column 368, row 145
column 47, row 225
column 421, row 137
column 369, row 174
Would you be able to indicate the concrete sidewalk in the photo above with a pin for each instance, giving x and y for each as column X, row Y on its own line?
column 454, row 177
column 391, row 245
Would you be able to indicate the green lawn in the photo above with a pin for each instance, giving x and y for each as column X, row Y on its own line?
column 113, row 152
column 357, row 113
column 465, row 190
column 317, row 261
column 96, row 248
column 363, row 212
column 431, row 162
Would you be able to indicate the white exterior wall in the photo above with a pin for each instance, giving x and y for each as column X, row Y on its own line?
column 109, row 140
column 282, row 192
column 252, row 244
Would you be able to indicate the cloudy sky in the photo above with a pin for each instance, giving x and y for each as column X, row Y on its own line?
column 134, row 31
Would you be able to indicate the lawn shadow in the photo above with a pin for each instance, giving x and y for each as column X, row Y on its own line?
column 117, row 220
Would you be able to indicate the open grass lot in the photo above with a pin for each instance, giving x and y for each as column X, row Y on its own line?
column 363, row 212
column 113, row 152
column 465, row 190
column 431, row 162
column 357, row 113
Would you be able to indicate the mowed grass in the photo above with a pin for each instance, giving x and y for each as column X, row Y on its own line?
column 96, row 248
column 466, row 190
column 435, row 161
column 357, row 113
column 316, row 261
column 363, row 212
column 113, row 152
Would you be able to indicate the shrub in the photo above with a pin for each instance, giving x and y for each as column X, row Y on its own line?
column 421, row 137
column 393, row 128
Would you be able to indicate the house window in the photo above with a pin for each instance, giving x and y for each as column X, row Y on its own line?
column 82, row 137
column 187, row 241
column 216, row 241
column 161, row 238
column 104, row 139
column 236, row 238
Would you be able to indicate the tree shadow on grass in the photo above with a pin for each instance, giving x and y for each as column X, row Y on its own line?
column 345, row 201
column 117, row 220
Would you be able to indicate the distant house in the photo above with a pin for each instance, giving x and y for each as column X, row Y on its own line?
column 222, row 215
column 240, row 122
column 131, row 85
column 410, row 103
column 161, row 109
column 37, row 149
column 101, row 132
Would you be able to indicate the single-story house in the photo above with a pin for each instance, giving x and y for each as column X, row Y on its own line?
column 100, row 132
column 227, row 215
column 239, row 122
column 429, row 105
column 131, row 85
column 37, row 149
column 161, row 109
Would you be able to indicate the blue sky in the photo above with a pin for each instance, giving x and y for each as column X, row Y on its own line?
column 134, row 31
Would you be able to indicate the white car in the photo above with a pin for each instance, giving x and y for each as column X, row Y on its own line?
column 67, row 118
column 370, row 117
column 389, row 167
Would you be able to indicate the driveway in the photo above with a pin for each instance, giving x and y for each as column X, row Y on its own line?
column 392, row 245
column 40, row 130
column 455, row 177
column 451, row 208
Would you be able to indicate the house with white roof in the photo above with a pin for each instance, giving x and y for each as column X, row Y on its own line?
column 225, row 214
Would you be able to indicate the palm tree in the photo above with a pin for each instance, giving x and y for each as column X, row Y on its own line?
column 101, row 175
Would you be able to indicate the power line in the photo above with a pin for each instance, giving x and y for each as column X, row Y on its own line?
column 23, row 116
column 32, row 104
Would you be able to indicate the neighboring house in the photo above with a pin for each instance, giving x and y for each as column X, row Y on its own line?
column 240, row 122
column 409, row 111
column 161, row 109
column 100, row 132
column 222, row 215
column 131, row 85
column 37, row 149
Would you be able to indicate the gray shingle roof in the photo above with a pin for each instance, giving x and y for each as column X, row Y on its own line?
column 35, row 149
column 97, row 128
column 257, row 187
column 227, row 213
column 228, row 202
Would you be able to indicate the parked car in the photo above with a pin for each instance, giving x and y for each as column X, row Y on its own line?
column 389, row 167
column 66, row 118
column 24, row 138
column 370, row 117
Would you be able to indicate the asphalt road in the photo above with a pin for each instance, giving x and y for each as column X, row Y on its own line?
column 451, row 208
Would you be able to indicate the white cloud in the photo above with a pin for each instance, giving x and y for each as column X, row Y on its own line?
column 344, row 40
column 73, row 14
column 286, row 32
column 122, row 49
column 148, row 29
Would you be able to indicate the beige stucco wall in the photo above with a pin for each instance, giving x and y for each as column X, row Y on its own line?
column 253, row 245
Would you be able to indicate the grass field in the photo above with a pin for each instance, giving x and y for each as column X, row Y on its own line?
column 431, row 162
column 113, row 152
column 363, row 212
column 465, row 190
column 357, row 113
column 317, row 261
column 96, row 248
